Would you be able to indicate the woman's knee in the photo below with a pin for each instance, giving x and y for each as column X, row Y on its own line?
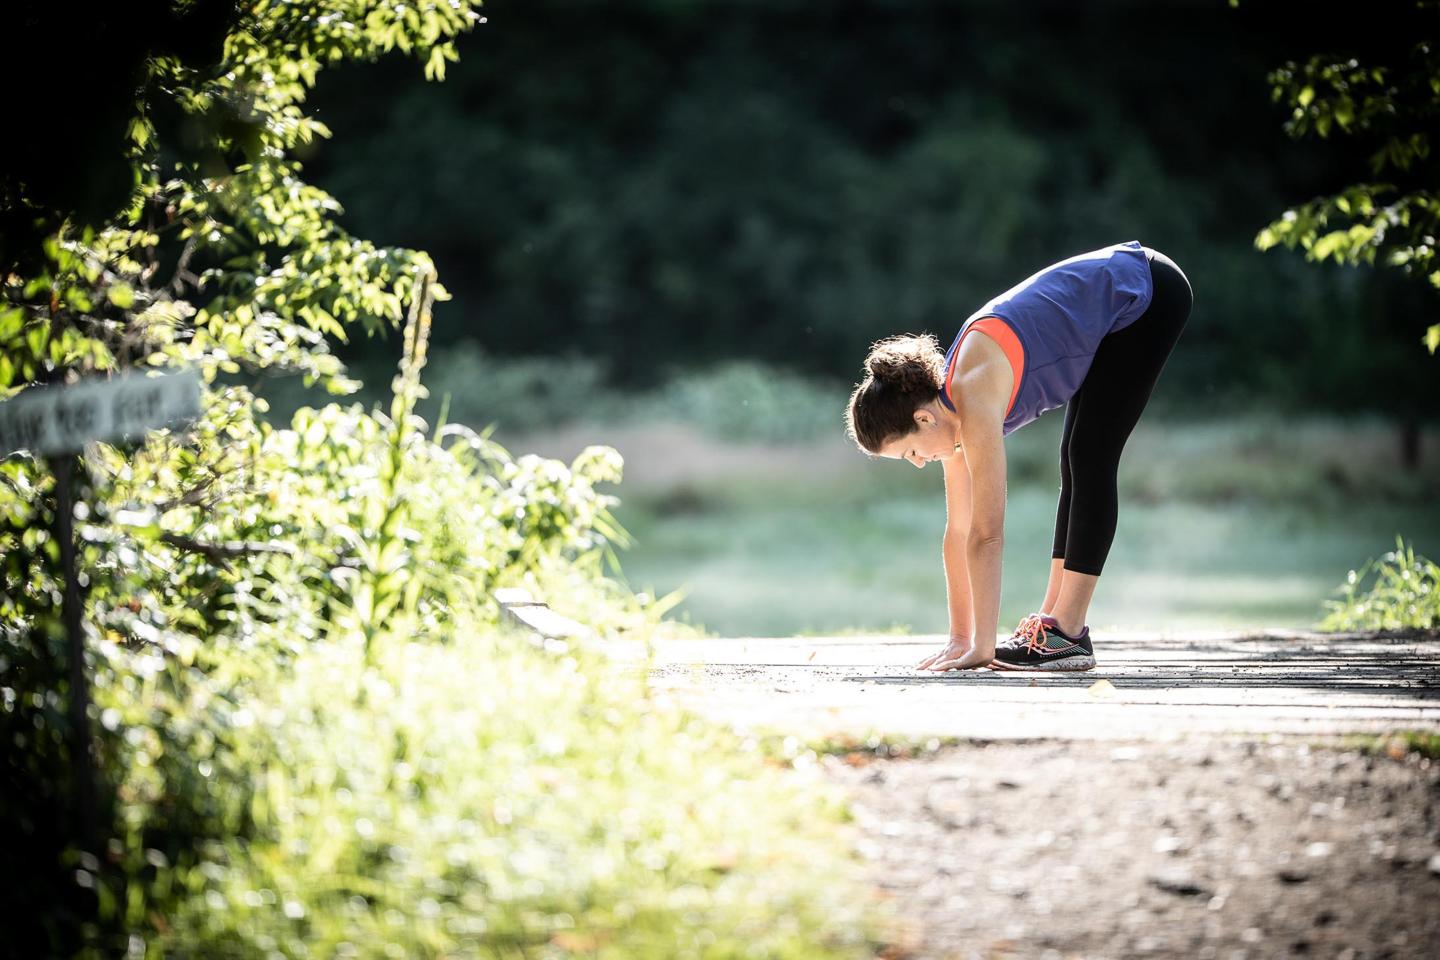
column 1088, row 459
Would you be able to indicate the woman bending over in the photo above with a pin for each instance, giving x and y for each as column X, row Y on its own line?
column 1091, row 333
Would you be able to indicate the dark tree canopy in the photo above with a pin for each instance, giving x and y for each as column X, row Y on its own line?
column 79, row 76
column 664, row 185
column 1392, row 107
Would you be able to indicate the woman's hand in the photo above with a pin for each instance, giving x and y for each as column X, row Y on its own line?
column 961, row 653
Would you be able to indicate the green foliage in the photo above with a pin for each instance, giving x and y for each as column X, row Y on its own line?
column 312, row 737
column 1394, row 108
column 747, row 402
column 734, row 219
column 225, row 258
column 1400, row 591
column 515, row 393
column 313, row 733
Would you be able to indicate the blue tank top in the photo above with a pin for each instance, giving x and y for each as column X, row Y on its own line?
column 1060, row 315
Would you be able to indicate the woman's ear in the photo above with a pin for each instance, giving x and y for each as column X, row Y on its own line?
column 923, row 417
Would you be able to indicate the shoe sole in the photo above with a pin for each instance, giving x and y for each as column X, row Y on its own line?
column 1068, row 665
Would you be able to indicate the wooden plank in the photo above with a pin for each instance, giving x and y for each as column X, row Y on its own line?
column 525, row 610
column 1298, row 685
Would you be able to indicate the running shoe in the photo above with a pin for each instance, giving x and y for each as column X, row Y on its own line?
column 1039, row 644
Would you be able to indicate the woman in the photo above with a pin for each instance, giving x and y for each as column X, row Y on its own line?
column 1092, row 332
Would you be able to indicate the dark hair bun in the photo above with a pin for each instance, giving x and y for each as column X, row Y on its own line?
column 910, row 364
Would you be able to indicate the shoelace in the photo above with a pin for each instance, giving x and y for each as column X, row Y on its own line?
column 1032, row 631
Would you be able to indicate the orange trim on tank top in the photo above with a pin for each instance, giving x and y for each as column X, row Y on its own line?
column 999, row 331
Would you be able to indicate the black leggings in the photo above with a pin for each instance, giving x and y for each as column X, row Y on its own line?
column 1100, row 416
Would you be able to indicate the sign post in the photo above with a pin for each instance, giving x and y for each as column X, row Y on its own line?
column 57, row 422
column 71, row 612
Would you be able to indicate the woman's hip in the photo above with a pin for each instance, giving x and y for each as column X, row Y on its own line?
column 1173, row 296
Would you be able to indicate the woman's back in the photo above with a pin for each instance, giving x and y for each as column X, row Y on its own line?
column 1059, row 316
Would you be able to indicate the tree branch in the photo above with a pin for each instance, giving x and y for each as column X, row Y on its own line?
column 222, row 553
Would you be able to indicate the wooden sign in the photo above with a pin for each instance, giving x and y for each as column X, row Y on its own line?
column 57, row 421
column 46, row 420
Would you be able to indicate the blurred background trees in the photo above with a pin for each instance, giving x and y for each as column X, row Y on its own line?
column 657, row 185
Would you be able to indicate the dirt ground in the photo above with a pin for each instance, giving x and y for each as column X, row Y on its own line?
column 1206, row 848
column 1199, row 797
column 1194, row 797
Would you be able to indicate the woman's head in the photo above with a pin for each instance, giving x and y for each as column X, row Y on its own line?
column 898, row 397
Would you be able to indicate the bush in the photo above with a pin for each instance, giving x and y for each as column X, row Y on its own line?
column 1400, row 591
column 483, row 796
column 315, row 740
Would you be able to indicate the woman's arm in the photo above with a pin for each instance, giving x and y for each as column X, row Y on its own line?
column 953, row 550
column 985, row 543
column 981, row 388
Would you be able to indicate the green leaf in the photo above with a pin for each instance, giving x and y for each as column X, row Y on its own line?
column 36, row 338
column 435, row 64
column 78, row 300
column 1331, row 244
column 121, row 295
column 1432, row 338
column 11, row 322
column 1345, row 113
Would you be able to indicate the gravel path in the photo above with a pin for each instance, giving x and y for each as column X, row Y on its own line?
column 1200, row 848
column 1193, row 797
column 1189, row 798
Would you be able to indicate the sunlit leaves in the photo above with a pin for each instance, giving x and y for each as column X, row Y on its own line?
column 1395, row 106
column 1343, row 95
column 12, row 321
column 249, row 241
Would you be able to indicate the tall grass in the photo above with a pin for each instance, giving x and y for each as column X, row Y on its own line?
column 477, row 794
column 1398, row 591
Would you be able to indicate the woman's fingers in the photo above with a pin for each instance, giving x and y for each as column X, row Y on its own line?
column 966, row 658
column 934, row 658
column 966, row 662
column 951, row 653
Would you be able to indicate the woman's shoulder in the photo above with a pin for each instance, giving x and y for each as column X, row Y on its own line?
column 982, row 373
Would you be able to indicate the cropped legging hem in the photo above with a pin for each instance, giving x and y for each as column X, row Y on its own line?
column 1101, row 415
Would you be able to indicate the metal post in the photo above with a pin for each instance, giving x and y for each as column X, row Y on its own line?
column 72, row 611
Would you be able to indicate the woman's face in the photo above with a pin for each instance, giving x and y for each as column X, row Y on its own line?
column 932, row 440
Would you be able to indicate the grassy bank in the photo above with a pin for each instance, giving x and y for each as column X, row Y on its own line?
column 1233, row 524
column 740, row 490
